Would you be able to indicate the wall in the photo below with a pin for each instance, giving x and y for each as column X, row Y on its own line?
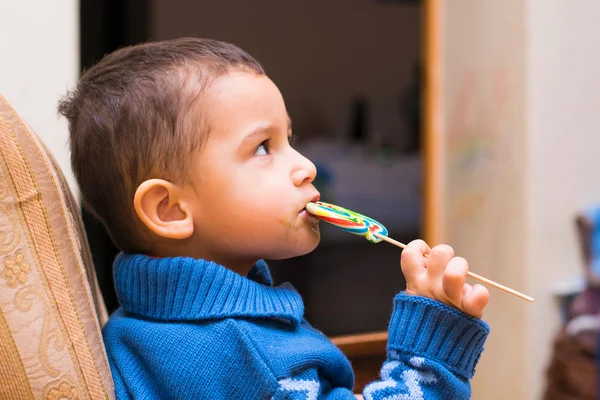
column 563, row 163
column 40, row 60
column 521, row 137
column 483, row 86
column 319, row 53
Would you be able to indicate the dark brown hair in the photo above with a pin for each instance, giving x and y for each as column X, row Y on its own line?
column 139, row 114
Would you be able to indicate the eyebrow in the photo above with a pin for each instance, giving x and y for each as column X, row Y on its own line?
column 263, row 130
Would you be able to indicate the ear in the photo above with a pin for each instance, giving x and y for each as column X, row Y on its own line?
column 162, row 207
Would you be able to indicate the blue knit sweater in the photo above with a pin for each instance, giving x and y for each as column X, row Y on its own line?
column 192, row 329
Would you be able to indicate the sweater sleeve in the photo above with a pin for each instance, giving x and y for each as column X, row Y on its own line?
column 432, row 353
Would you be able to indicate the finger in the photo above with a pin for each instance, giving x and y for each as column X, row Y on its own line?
column 438, row 259
column 412, row 260
column 474, row 300
column 454, row 278
column 419, row 245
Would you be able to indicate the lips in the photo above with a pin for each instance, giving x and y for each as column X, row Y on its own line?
column 313, row 199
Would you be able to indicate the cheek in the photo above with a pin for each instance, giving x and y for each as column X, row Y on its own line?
column 246, row 208
column 249, row 196
column 264, row 217
column 266, row 192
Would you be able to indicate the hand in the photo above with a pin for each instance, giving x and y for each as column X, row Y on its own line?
column 441, row 277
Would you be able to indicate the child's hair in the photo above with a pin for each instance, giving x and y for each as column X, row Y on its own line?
column 140, row 114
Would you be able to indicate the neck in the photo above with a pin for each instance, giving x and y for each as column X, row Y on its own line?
column 238, row 265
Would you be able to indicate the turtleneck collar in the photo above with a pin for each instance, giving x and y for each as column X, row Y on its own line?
column 187, row 289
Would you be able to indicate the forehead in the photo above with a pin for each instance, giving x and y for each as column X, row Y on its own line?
column 239, row 99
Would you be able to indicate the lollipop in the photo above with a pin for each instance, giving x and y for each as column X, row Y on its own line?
column 375, row 232
column 348, row 221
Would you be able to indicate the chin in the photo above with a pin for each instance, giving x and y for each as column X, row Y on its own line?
column 310, row 241
column 309, row 247
column 302, row 247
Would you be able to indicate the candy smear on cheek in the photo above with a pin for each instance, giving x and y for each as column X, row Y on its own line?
column 287, row 223
column 375, row 232
column 315, row 231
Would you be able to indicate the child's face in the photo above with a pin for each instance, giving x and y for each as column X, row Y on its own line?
column 251, row 186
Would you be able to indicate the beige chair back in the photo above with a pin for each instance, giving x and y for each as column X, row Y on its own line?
column 51, row 310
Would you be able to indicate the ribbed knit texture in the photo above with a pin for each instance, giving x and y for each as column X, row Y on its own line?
column 193, row 329
column 425, row 327
column 184, row 289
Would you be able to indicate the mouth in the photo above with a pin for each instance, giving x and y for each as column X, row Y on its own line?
column 304, row 213
column 308, row 217
column 313, row 199
column 316, row 198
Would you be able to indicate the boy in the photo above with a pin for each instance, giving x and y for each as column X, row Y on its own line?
column 181, row 148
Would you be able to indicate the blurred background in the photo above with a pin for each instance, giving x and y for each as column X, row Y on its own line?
column 468, row 122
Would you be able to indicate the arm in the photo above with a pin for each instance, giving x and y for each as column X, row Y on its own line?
column 432, row 352
column 435, row 335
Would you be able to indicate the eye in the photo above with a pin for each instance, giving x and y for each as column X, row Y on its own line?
column 262, row 149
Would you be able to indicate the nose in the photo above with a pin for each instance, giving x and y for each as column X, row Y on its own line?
column 303, row 170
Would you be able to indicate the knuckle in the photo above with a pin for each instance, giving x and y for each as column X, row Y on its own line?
column 443, row 249
column 460, row 263
column 417, row 244
column 452, row 276
column 406, row 257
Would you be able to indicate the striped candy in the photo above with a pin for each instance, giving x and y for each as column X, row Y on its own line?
column 347, row 220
